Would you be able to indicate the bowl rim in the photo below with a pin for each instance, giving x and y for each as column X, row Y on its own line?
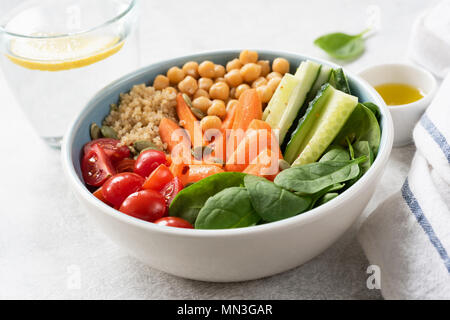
column 422, row 102
column 304, row 218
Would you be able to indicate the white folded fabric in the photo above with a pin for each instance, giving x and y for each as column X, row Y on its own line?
column 408, row 235
column 430, row 40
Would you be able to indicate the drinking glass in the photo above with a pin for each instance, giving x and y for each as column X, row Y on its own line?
column 55, row 54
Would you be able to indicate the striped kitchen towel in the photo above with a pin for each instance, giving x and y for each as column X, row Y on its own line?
column 408, row 235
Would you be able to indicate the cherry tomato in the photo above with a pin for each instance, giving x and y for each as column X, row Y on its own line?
column 170, row 190
column 148, row 161
column 159, row 178
column 111, row 148
column 117, row 188
column 96, row 167
column 147, row 205
column 125, row 165
column 174, row 222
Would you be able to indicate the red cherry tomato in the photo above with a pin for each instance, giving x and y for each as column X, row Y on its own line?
column 96, row 167
column 174, row 222
column 111, row 148
column 125, row 165
column 147, row 205
column 170, row 190
column 158, row 179
column 148, row 161
column 117, row 188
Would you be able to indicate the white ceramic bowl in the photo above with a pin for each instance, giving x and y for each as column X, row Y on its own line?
column 404, row 116
column 223, row 255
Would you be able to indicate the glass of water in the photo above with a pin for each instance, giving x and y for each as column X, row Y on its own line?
column 55, row 54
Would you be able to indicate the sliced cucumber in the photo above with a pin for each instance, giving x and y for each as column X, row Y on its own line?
column 322, row 78
column 339, row 80
column 325, row 128
column 280, row 99
column 307, row 74
column 306, row 123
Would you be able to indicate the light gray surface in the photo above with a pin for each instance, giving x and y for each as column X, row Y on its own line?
column 46, row 240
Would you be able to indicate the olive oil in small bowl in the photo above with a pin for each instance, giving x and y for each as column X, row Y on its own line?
column 407, row 90
column 395, row 94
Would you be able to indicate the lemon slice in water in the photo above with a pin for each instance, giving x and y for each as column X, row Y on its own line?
column 57, row 54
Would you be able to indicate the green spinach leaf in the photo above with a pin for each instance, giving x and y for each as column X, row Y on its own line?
column 314, row 177
column 273, row 203
column 342, row 46
column 362, row 148
column 335, row 153
column 317, row 196
column 327, row 197
column 190, row 200
column 362, row 125
column 230, row 208
column 374, row 108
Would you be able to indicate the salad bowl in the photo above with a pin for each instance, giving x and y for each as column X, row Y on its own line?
column 234, row 254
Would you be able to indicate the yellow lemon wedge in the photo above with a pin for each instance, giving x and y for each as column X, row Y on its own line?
column 57, row 54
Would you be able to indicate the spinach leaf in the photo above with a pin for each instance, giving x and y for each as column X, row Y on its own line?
column 335, row 153
column 190, row 200
column 327, row 197
column 374, row 108
column 342, row 46
column 313, row 177
column 362, row 148
column 317, row 196
column 362, row 125
column 273, row 203
column 230, row 208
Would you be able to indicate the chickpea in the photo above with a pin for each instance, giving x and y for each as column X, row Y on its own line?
column 250, row 72
column 220, row 79
column 175, row 75
column 201, row 103
column 265, row 93
column 210, row 122
column 206, row 69
column 231, row 104
column 234, row 78
column 205, row 83
column 219, row 71
column 259, row 82
column 188, row 85
column 201, row 93
column 234, row 64
column 217, row 109
column 248, row 56
column 160, row 82
column 219, row 90
column 272, row 75
column 241, row 88
column 232, row 93
column 280, row 65
column 191, row 69
column 171, row 91
column 265, row 67
column 273, row 83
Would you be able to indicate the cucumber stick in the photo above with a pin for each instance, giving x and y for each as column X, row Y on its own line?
column 306, row 123
column 274, row 110
column 334, row 114
column 322, row 78
column 307, row 74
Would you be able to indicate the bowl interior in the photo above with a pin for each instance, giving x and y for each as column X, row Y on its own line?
column 99, row 106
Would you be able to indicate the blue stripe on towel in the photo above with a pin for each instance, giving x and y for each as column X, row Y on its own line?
column 437, row 136
column 414, row 206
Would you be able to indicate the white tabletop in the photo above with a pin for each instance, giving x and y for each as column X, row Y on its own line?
column 46, row 236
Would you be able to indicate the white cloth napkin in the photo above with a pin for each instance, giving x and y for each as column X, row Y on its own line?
column 408, row 235
column 430, row 39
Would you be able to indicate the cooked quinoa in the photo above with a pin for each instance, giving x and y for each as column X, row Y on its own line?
column 139, row 112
